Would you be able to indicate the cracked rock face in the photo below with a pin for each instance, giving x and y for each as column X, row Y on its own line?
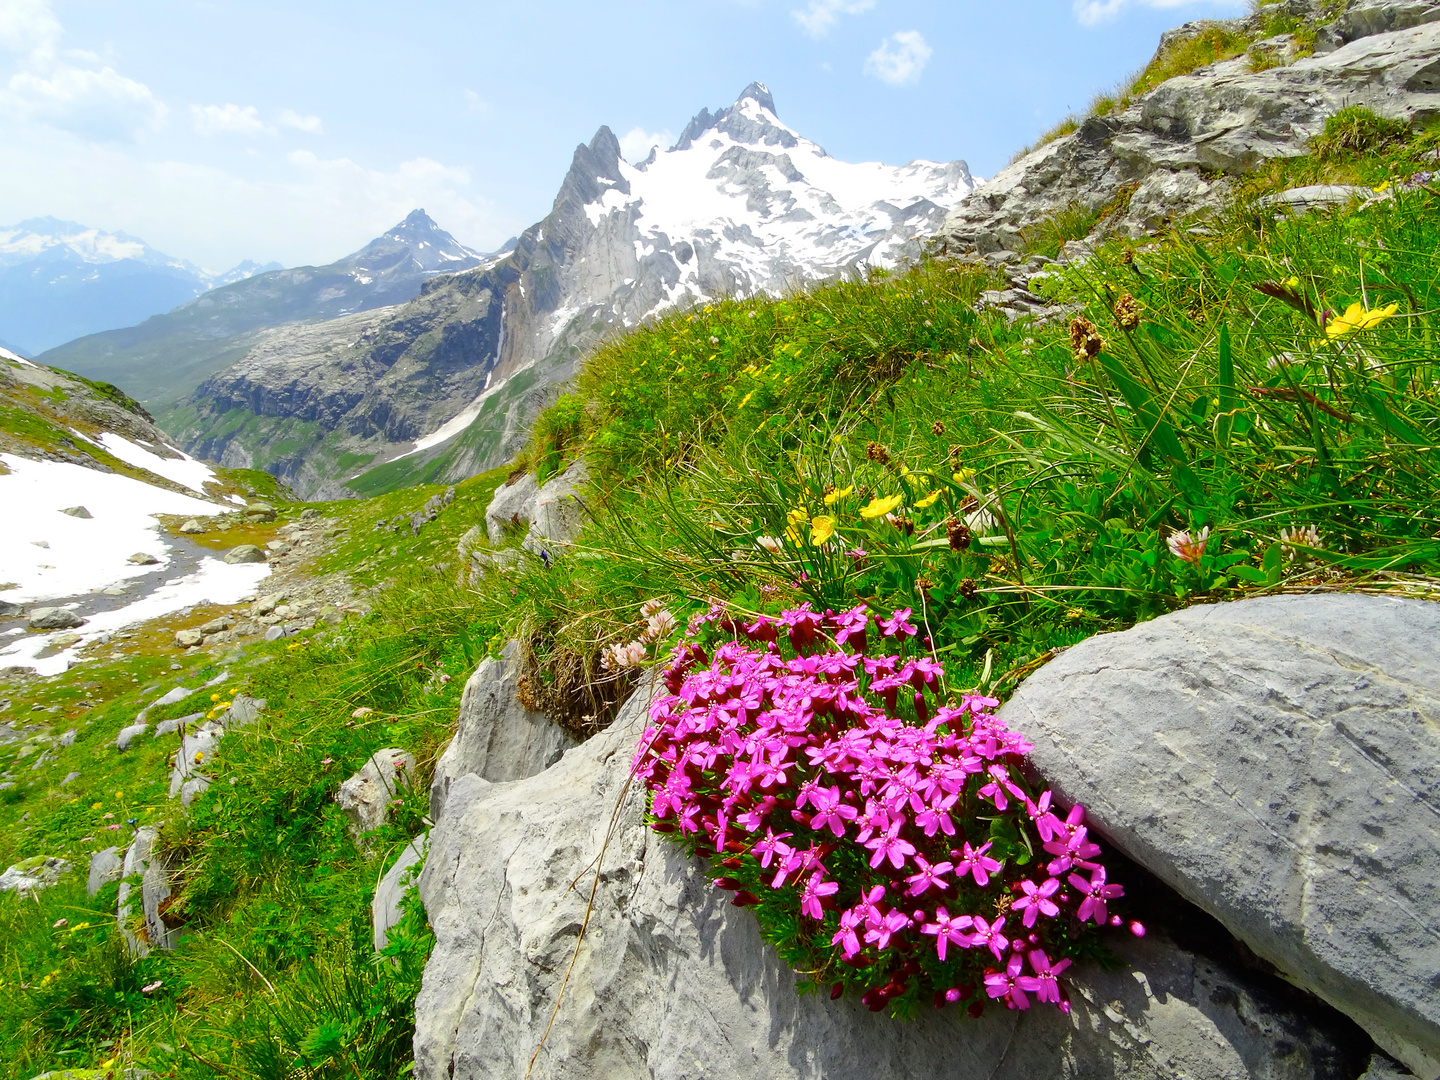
column 1277, row 762
column 672, row 981
column 1175, row 147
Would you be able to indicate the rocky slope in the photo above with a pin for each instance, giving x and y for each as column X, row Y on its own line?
column 1174, row 152
column 164, row 358
column 60, row 280
column 741, row 204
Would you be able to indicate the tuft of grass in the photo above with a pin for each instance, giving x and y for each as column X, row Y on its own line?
column 1049, row 236
column 1355, row 131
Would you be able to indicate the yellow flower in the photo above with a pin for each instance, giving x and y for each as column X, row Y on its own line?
column 928, row 500
column 821, row 529
column 214, row 697
column 119, row 794
column 96, row 806
column 836, row 496
column 963, row 475
column 799, row 514
column 746, row 399
column 1293, row 282
column 880, row 507
column 1382, row 188
column 1356, row 317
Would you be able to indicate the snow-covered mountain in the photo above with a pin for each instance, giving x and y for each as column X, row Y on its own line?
column 448, row 384
column 60, row 280
column 164, row 358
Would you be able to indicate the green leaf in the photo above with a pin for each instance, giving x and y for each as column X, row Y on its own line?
column 1158, row 432
column 1273, row 564
column 1224, row 419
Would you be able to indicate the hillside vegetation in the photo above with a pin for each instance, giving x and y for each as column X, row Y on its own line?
column 1209, row 414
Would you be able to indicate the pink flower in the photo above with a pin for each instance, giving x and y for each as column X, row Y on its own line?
column 816, row 889
column 1006, row 984
column 891, row 924
column 1043, row 984
column 989, row 935
column 1096, row 893
column 929, row 877
column 896, row 626
column 892, row 847
column 1190, row 548
column 976, row 863
column 948, row 930
column 1036, row 900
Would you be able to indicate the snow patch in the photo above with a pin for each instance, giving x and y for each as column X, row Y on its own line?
column 185, row 470
column 8, row 355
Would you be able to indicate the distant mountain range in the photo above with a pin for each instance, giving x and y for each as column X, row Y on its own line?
column 448, row 383
column 160, row 361
column 60, row 280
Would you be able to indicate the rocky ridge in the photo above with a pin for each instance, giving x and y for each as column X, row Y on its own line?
column 451, row 381
column 1174, row 152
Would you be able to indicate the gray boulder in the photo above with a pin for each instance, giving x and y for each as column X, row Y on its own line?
column 128, row 734
column 9, row 610
column 30, row 876
column 1364, row 18
column 197, row 747
column 105, row 867
column 1277, row 762
column 558, row 514
column 143, row 558
column 54, row 618
column 78, row 512
column 385, row 907
column 144, row 866
column 673, row 981
column 366, row 796
column 245, row 553
column 496, row 738
column 1175, row 149
column 1318, row 197
column 512, row 507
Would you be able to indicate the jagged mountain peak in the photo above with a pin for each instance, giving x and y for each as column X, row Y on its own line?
column 759, row 93
column 752, row 119
column 418, row 238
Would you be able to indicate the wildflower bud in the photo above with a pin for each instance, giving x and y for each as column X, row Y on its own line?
column 959, row 533
column 1137, row 928
column 1128, row 257
column 976, row 1010
column 953, row 994
column 744, row 899
column 1115, row 920
column 837, row 991
column 1085, row 340
column 937, row 428
column 968, row 589
column 877, row 453
column 1127, row 312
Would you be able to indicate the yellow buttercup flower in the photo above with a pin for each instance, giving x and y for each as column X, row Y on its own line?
column 746, row 399
column 928, row 500
column 1293, row 282
column 799, row 514
column 878, row 507
column 836, row 496
column 1356, row 317
column 821, row 529
column 963, row 475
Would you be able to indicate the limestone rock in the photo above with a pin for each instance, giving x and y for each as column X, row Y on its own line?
column 31, row 875
column 144, row 863
column 78, row 512
column 105, row 867
column 193, row 527
column 365, row 797
column 673, row 981
column 9, row 610
column 385, row 907
column 558, row 514
column 1174, row 149
column 245, row 553
column 128, row 734
column 1277, row 762
column 496, row 738
column 1317, row 197
column 243, row 710
column 54, row 618
column 1367, row 17
column 511, row 508
column 143, row 558
column 196, row 748
column 188, row 639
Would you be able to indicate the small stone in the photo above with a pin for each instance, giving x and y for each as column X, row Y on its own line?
column 104, row 868
column 274, row 633
column 310, row 514
column 245, row 553
column 29, row 876
column 68, row 739
column 64, row 641
column 70, row 777
column 9, row 610
column 268, row 603
column 361, row 713
column 50, row 618
column 365, row 797
column 193, row 527
column 186, row 639
column 215, row 626
column 78, row 512
column 142, row 558
column 128, row 734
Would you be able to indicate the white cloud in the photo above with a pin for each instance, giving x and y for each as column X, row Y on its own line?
column 1091, row 12
column 900, row 58
column 475, row 103
column 229, row 119
column 635, row 144
column 27, row 25
column 817, row 19
column 99, row 104
column 73, row 91
column 311, row 125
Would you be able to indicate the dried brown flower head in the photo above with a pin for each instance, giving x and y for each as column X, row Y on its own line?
column 1128, row 257
column 968, row 589
column 877, row 453
column 1085, row 339
column 1127, row 312
column 959, row 533
column 937, row 428
column 969, row 504
column 904, row 524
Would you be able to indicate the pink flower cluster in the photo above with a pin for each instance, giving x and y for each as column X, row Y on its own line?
column 837, row 791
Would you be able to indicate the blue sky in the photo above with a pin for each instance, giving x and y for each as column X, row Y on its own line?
column 296, row 131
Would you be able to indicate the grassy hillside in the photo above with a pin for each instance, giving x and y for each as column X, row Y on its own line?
column 1207, row 415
